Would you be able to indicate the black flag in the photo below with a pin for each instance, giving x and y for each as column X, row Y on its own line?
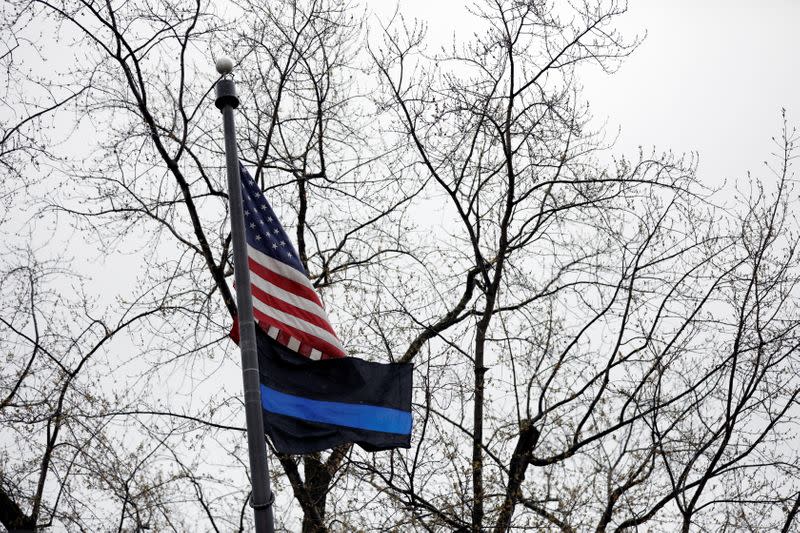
column 315, row 405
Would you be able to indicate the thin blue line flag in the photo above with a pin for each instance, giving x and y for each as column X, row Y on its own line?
column 315, row 405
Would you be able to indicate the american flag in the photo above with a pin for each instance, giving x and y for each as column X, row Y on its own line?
column 285, row 304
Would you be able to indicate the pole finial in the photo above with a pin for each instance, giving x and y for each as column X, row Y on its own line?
column 224, row 65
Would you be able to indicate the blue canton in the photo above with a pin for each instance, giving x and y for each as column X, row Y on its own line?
column 262, row 229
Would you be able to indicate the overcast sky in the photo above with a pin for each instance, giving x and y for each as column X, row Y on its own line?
column 711, row 76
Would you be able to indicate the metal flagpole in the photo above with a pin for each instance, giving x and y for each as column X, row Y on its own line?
column 262, row 497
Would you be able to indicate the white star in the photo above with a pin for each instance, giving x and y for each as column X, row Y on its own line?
column 264, row 207
column 283, row 243
column 269, row 219
column 275, row 231
column 252, row 225
column 274, row 245
column 258, row 237
column 247, row 213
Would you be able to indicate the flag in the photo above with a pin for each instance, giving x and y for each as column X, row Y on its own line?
column 313, row 395
column 315, row 405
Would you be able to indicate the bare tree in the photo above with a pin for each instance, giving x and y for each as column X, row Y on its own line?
column 598, row 343
column 27, row 105
column 51, row 390
column 152, row 188
column 607, row 309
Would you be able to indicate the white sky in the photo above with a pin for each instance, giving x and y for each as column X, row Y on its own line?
column 710, row 77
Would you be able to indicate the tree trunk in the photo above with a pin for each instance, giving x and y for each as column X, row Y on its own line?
column 12, row 517
column 317, row 484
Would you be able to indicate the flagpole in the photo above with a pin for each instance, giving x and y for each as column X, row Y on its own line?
column 261, row 498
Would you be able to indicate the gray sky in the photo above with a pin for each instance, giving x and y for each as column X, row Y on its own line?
column 710, row 77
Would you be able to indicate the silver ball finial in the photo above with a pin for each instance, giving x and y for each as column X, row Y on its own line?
column 224, row 65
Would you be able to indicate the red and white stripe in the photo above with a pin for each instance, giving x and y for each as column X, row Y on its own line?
column 289, row 310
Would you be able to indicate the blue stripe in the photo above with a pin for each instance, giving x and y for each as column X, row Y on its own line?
column 369, row 417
